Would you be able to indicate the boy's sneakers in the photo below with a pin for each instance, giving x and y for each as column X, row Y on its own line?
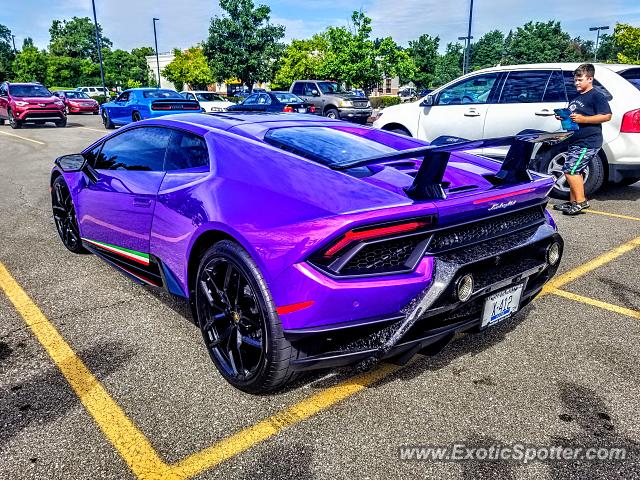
column 575, row 208
column 562, row 206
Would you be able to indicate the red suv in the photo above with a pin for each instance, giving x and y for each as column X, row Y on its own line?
column 30, row 102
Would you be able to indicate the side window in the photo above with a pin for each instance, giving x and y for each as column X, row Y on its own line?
column 186, row 151
column 298, row 88
column 251, row 100
column 3, row 90
column 124, row 97
column 141, row 148
column 572, row 92
column 472, row 90
column 524, row 86
column 92, row 155
column 309, row 88
column 555, row 92
column 264, row 99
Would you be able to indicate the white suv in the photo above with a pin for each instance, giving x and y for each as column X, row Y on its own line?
column 504, row 100
column 94, row 91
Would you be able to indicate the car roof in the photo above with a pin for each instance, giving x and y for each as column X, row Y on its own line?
column 558, row 65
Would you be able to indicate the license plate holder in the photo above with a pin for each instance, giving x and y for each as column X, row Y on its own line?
column 501, row 305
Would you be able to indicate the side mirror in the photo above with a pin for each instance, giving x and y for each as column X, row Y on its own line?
column 428, row 101
column 76, row 163
column 315, row 93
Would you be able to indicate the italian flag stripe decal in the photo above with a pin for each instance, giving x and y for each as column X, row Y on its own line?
column 142, row 258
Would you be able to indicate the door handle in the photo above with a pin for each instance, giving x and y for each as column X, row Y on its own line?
column 544, row 113
column 141, row 202
column 471, row 113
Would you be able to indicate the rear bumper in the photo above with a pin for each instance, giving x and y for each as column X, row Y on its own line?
column 434, row 316
column 88, row 109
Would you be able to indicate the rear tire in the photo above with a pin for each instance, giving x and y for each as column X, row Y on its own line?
column 238, row 320
column 400, row 131
column 64, row 216
column 2, row 121
column 135, row 117
column 61, row 123
column 550, row 162
column 13, row 121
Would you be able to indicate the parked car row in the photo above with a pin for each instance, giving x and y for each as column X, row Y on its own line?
column 502, row 101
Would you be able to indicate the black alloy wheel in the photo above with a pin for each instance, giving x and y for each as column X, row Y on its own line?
column 106, row 121
column 136, row 117
column 64, row 215
column 13, row 121
column 238, row 322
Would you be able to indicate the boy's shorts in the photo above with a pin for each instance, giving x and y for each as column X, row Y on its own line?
column 578, row 159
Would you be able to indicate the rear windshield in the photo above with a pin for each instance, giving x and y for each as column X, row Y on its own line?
column 161, row 94
column 632, row 76
column 325, row 145
column 286, row 97
column 209, row 97
column 29, row 91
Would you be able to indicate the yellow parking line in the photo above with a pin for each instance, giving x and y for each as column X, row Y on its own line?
column 130, row 442
column 22, row 138
column 94, row 129
column 615, row 215
column 597, row 303
column 585, row 268
column 247, row 438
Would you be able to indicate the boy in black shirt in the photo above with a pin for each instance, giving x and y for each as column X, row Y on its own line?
column 590, row 110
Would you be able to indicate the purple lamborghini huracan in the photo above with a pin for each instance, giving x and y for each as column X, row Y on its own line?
column 305, row 243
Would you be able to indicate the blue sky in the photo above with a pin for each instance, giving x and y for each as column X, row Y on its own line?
column 184, row 23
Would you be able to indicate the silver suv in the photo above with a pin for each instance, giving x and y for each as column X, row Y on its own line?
column 332, row 101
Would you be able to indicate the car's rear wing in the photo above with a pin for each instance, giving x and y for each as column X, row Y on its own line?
column 427, row 184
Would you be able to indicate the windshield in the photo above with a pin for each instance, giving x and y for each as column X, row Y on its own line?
column 286, row 97
column 330, row 87
column 209, row 97
column 325, row 145
column 632, row 76
column 29, row 91
column 76, row 95
column 161, row 94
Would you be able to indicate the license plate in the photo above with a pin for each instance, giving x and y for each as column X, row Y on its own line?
column 501, row 305
column 302, row 110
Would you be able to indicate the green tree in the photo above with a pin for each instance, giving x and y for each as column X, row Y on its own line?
column 449, row 65
column 76, row 38
column 541, row 42
column 627, row 41
column 607, row 49
column 6, row 54
column 301, row 59
column 124, row 69
column 424, row 52
column 488, row 51
column 243, row 44
column 143, row 52
column 583, row 49
column 27, row 43
column 31, row 65
column 190, row 68
column 63, row 71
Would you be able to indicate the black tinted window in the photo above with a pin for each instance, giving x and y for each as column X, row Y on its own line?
column 298, row 88
column 186, row 151
column 632, row 76
column 524, row 87
column 572, row 92
column 124, row 97
column 138, row 149
column 555, row 89
column 92, row 155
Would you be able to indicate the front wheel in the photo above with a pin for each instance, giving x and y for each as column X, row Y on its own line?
column 238, row 321
column 106, row 120
column 552, row 161
column 61, row 123
column 13, row 121
column 64, row 215
column 332, row 113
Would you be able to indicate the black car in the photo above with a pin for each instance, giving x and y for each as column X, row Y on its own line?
column 273, row 102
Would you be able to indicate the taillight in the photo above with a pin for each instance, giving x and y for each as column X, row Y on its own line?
column 288, row 109
column 361, row 234
column 160, row 106
column 312, row 109
column 191, row 107
column 631, row 122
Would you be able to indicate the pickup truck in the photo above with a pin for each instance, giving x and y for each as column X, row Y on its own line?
column 332, row 101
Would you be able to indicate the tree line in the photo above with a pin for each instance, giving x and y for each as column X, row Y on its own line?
column 243, row 45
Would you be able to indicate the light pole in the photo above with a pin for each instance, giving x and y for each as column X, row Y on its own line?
column 95, row 23
column 155, row 36
column 13, row 39
column 467, row 50
column 593, row 29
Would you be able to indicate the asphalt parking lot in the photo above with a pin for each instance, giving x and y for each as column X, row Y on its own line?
column 102, row 378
